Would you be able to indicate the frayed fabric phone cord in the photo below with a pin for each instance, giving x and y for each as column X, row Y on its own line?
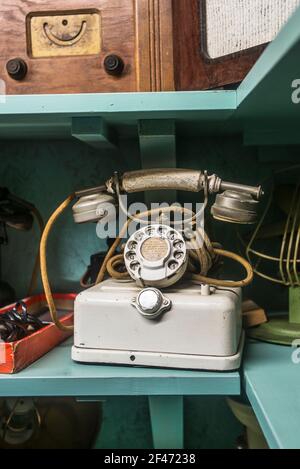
column 43, row 259
column 202, row 279
column 111, row 261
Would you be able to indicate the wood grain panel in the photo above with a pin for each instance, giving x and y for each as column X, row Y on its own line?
column 160, row 41
column 194, row 70
column 154, row 29
column 77, row 74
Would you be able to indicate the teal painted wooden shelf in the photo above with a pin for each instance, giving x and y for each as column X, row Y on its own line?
column 52, row 115
column 272, row 383
column 267, row 111
column 57, row 375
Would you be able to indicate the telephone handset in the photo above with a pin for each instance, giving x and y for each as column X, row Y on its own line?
column 156, row 255
column 235, row 203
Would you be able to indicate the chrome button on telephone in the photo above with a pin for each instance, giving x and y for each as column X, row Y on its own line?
column 151, row 303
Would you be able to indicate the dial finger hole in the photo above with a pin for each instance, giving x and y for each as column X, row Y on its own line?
column 162, row 231
column 134, row 266
column 139, row 236
column 178, row 245
column 132, row 245
column 130, row 256
column 150, row 231
column 173, row 265
column 178, row 255
column 172, row 235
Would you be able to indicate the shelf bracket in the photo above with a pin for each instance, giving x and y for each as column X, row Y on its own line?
column 94, row 131
column 158, row 150
column 166, row 413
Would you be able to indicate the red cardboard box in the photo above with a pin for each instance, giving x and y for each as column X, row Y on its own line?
column 16, row 356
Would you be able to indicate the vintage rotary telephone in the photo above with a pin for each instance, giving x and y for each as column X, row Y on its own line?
column 157, row 259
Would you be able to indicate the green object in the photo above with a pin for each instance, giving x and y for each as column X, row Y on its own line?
column 245, row 415
column 294, row 299
column 158, row 150
column 277, row 330
column 94, row 131
column 282, row 330
column 167, row 421
column 52, row 116
column 271, row 377
column 157, row 143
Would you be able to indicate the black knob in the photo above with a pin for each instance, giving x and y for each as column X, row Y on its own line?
column 114, row 65
column 17, row 69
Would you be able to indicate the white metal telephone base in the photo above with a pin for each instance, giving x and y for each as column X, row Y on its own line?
column 161, row 360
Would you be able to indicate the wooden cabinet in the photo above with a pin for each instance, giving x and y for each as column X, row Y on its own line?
column 91, row 46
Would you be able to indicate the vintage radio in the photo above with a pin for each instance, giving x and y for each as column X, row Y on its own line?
column 69, row 46
column 87, row 46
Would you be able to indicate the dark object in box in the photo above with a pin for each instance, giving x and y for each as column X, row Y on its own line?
column 16, row 356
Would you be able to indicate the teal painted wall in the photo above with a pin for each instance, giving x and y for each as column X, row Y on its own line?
column 208, row 424
column 45, row 172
